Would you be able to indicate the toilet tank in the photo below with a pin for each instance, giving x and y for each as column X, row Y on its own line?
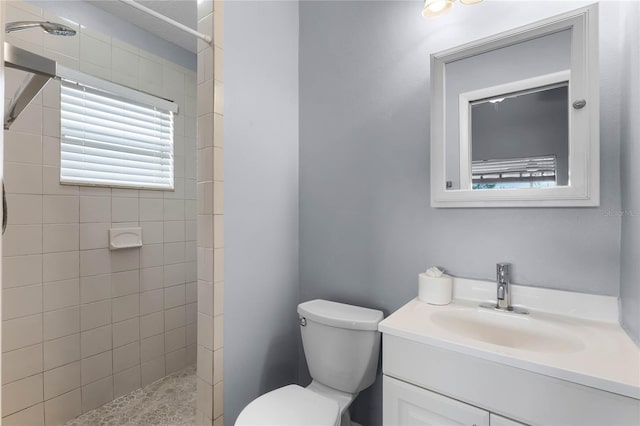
column 341, row 343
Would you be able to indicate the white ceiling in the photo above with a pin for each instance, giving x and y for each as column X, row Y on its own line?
column 183, row 11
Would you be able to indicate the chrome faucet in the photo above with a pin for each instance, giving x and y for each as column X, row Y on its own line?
column 503, row 297
column 504, row 287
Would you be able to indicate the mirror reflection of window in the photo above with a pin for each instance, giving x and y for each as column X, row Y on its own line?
column 520, row 140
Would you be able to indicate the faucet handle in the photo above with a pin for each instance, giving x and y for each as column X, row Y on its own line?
column 502, row 272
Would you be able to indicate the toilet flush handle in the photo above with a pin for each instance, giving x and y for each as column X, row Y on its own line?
column 303, row 321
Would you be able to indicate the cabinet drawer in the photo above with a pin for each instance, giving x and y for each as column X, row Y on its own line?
column 405, row 404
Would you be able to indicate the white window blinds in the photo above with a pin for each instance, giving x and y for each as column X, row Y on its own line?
column 108, row 139
column 514, row 169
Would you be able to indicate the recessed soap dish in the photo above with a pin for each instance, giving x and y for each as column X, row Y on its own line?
column 121, row 238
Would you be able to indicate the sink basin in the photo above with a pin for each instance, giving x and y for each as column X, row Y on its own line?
column 506, row 329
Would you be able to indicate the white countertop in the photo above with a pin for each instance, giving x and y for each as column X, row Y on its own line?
column 598, row 354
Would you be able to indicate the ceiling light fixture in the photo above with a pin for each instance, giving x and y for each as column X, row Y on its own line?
column 433, row 8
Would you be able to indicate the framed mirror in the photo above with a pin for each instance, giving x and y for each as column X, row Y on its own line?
column 514, row 117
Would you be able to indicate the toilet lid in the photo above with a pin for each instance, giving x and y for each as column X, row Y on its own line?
column 291, row 405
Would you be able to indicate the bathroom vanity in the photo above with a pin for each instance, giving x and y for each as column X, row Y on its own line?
column 567, row 362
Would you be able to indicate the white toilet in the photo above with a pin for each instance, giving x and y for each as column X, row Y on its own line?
column 342, row 345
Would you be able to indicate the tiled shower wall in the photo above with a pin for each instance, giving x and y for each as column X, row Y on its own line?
column 82, row 324
column 210, row 215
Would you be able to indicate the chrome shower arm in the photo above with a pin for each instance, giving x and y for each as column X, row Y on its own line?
column 21, row 25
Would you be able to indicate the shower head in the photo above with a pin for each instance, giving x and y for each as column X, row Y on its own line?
column 50, row 27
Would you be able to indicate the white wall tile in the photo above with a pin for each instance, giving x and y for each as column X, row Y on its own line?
column 125, row 307
column 174, row 296
column 95, row 262
column 191, row 290
column 61, row 294
column 96, row 367
column 62, row 408
column 151, row 209
column 56, row 238
column 20, row 332
column 204, row 401
column 173, row 253
column 61, row 380
column 51, row 181
column 95, row 288
column 126, row 381
column 95, row 209
column 151, row 324
column 25, row 209
column 151, row 255
column 22, row 240
column 205, row 297
column 205, row 364
column 60, row 266
column 22, row 147
column 218, row 366
column 126, row 332
column 94, row 235
column 21, row 301
column 96, row 314
column 174, row 231
column 174, row 274
column 95, row 341
column 21, row 363
column 152, row 347
column 61, row 351
column 218, row 231
column 173, row 209
column 21, row 178
column 151, row 301
column 218, row 332
column 205, row 330
column 191, row 316
column 125, row 283
column 95, row 51
column 32, row 416
column 174, row 318
column 151, row 278
column 124, row 209
column 125, row 259
column 50, row 150
column 21, row 394
column 60, row 209
column 96, row 394
column 21, row 270
column 192, row 331
column 62, row 322
column 50, row 122
column 152, row 370
column 126, row 356
column 218, row 298
column 152, row 232
column 175, row 361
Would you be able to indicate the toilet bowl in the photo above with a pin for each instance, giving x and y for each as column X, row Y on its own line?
column 342, row 346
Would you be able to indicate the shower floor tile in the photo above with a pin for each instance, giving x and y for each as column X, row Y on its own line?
column 170, row 401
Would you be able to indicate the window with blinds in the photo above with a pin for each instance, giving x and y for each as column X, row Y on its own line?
column 110, row 139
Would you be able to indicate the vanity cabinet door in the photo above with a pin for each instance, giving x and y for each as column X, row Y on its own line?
column 503, row 421
column 408, row 405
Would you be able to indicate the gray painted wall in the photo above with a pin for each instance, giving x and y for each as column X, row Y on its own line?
column 630, row 170
column 261, row 200
column 106, row 23
column 366, row 225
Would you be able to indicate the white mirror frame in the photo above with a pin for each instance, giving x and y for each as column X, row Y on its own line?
column 584, row 127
